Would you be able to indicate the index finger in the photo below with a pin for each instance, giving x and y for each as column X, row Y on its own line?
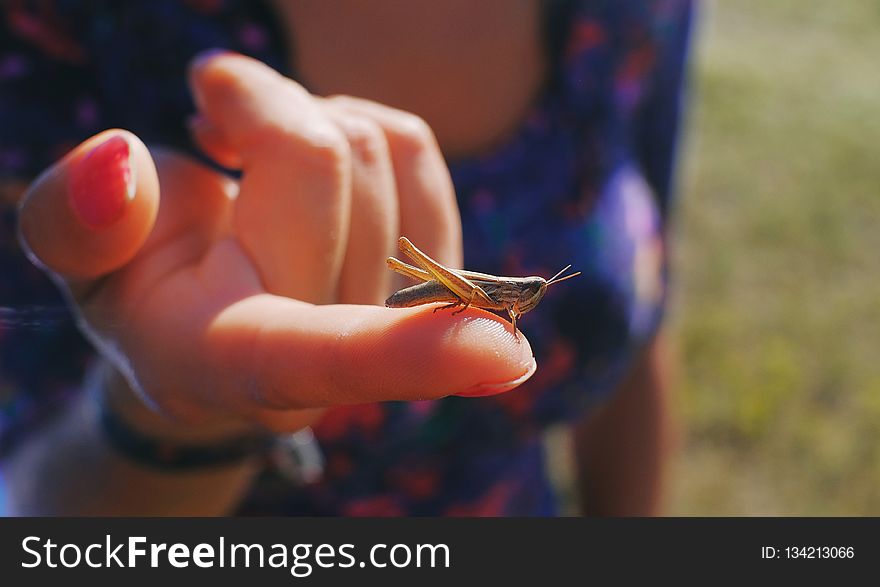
column 281, row 354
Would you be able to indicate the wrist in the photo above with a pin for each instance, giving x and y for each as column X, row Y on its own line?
column 143, row 435
column 117, row 397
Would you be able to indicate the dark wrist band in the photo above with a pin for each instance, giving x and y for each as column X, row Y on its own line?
column 297, row 456
column 173, row 455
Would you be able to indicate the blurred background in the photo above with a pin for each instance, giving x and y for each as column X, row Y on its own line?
column 777, row 308
column 776, row 301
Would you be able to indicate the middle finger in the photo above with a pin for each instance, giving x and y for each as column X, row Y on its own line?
column 373, row 229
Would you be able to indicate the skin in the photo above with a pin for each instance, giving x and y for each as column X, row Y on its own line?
column 622, row 449
column 254, row 311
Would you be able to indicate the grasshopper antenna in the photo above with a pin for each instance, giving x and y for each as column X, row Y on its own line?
column 557, row 279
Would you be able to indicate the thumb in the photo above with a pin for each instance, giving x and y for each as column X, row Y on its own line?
column 91, row 212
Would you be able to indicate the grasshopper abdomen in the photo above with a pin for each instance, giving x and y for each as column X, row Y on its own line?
column 423, row 293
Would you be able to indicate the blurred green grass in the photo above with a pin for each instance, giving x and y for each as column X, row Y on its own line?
column 776, row 308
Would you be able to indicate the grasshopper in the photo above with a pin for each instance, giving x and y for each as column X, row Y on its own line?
column 516, row 295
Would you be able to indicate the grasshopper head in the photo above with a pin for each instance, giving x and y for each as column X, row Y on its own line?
column 534, row 288
column 530, row 294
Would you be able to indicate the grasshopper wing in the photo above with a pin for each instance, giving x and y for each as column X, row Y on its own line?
column 462, row 287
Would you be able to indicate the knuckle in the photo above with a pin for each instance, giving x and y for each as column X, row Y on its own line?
column 319, row 145
column 365, row 138
column 342, row 100
column 325, row 149
column 413, row 134
column 325, row 140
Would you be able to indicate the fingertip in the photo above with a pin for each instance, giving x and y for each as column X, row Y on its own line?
column 91, row 212
column 202, row 58
column 486, row 389
column 213, row 142
column 196, row 71
column 102, row 183
column 483, row 348
column 216, row 72
column 417, row 354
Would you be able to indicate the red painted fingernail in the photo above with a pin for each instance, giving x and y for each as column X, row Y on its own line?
column 485, row 389
column 102, row 183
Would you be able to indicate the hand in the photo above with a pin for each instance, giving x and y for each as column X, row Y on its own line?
column 235, row 302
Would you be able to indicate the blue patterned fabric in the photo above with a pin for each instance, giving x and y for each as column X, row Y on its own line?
column 585, row 180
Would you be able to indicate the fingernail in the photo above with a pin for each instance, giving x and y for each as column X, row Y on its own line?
column 485, row 389
column 102, row 183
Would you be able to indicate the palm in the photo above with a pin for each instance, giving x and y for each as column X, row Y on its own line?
column 172, row 309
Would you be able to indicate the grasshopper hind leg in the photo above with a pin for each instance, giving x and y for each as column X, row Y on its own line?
column 446, row 307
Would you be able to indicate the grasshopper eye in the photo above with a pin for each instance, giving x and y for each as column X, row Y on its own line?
column 531, row 294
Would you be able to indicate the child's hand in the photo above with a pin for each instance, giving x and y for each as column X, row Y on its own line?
column 206, row 303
